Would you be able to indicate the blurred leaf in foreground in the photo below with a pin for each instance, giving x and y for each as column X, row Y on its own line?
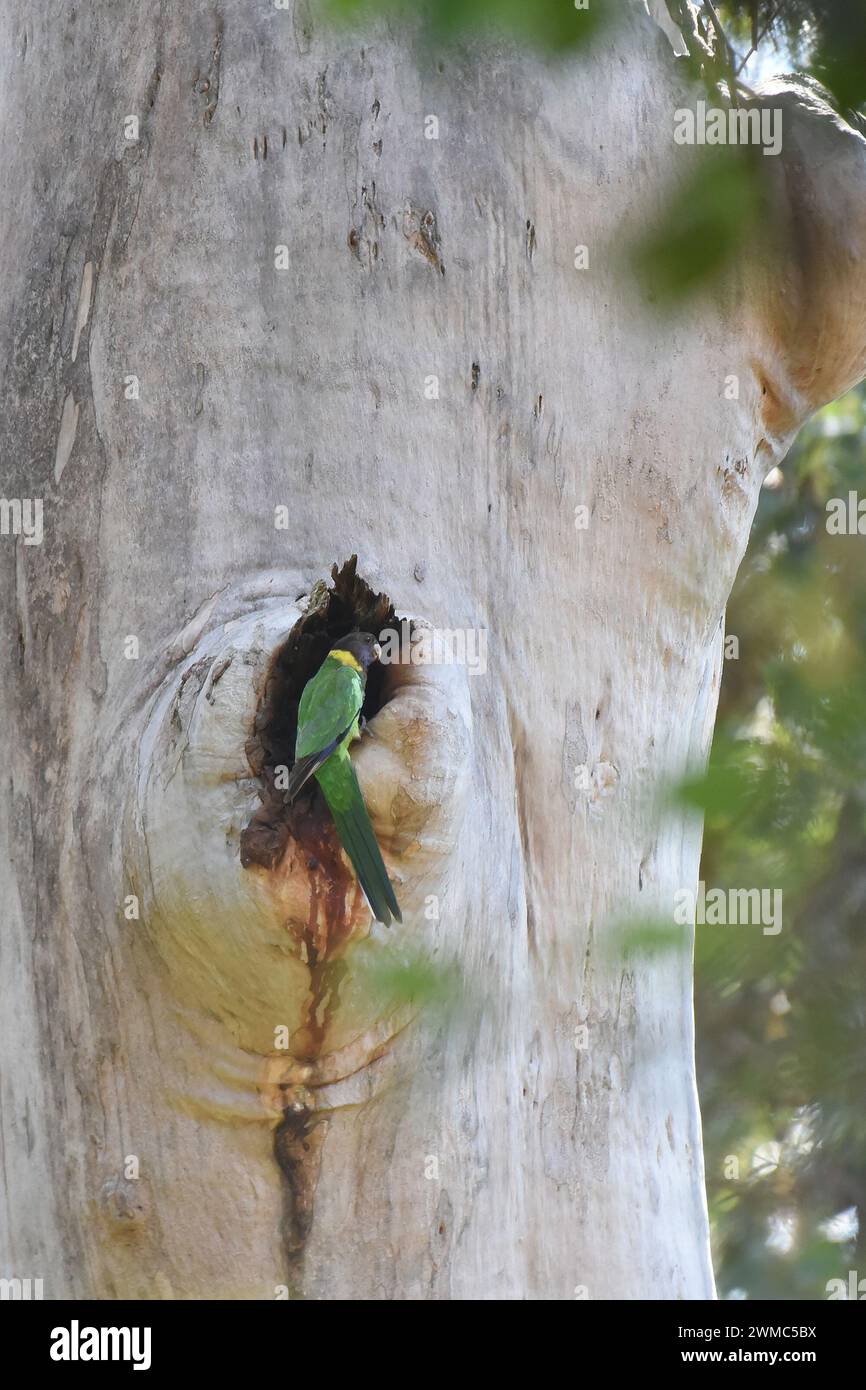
column 557, row 26
column 713, row 216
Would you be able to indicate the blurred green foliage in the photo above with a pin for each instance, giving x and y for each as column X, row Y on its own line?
column 395, row 977
column 826, row 37
column 626, row 941
column 556, row 26
column 781, row 1020
column 713, row 216
column 719, row 213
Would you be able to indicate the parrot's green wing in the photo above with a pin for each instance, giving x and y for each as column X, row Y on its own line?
column 329, row 708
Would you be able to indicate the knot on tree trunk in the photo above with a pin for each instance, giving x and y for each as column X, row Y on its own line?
column 251, row 902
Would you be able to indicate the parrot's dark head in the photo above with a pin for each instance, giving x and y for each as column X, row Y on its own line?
column 360, row 647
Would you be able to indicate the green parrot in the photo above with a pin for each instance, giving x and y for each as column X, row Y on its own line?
column 328, row 722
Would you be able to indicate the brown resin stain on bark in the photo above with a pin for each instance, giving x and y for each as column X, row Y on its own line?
column 281, row 839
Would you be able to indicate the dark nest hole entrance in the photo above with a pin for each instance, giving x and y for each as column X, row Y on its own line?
column 333, row 612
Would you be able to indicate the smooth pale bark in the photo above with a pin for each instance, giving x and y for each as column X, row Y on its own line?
column 497, row 1151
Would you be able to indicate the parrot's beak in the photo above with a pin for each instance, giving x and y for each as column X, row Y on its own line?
column 377, row 651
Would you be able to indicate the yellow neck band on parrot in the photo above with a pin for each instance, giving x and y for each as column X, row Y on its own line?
column 347, row 659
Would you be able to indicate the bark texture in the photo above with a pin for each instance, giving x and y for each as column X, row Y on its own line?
column 496, row 1151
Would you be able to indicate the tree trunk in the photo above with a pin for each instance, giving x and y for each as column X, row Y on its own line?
column 173, row 380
